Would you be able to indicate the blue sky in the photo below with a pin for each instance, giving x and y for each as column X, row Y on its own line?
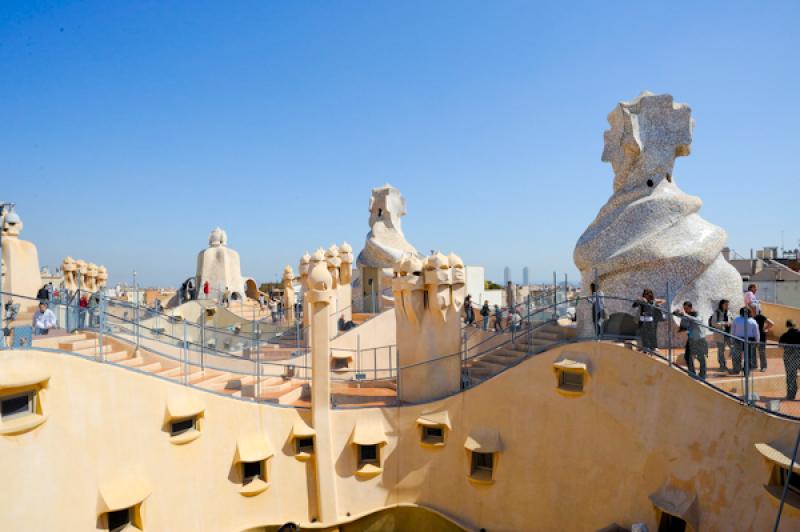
column 131, row 129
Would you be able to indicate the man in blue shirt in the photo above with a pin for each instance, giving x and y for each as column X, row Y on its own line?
column 745, row 330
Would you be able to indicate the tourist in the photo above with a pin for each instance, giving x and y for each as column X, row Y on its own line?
column 649, row 317
column 696, row 345
column 83, row 304
column 498, row 319
column 273, row 309
column 469, row 317
column 598, row 309
column 92, row 304
column 43, row 319
column 42, row 294
column 510, row 295
column 764, row 325
column 516, row 321
column 205, row 289
column 226, row 297
column 485, row 315
column 751, row 301
column 721, row 320
column 261, row 301
column 744, row 330
column 790, row 340
column 50, row 291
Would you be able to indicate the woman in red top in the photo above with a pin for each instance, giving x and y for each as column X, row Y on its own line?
column 205, row 288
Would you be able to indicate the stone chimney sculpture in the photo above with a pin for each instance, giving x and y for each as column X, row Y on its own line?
column 81, row 269
column 385, row 246
column 303, row 269
column 91, row 277
column 339, row 262
column 220, row 267
column 318, row 292
column 69, row 270
column 21, row 273
column 102, row 277
column 649, row 233
column 289, row 297
column 429, row 296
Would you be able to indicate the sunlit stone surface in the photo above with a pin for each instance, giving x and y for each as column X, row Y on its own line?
column 385, row 246
column 649, row 233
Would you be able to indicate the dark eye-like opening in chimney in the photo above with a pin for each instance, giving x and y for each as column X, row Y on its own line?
column 650, row 183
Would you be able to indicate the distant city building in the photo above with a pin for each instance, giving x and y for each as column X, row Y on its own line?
column 506, row 275
column 525, row 278
column 777, row 280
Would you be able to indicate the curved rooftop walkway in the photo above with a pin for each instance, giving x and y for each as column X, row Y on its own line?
column 279, row 372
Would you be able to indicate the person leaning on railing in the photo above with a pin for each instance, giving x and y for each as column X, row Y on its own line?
column 696, row 345
column 790, row 340
column 745, row 330
column 649, row 316
column 764, row 325
column 721, row 320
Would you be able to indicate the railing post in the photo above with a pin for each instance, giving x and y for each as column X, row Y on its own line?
column 464, row 354
column 358, row 352
column 375, row 363
column 185, row 356
column 136, row 318
column 258, row 371
column 202, row 340
column 397, row 365
column 390, row 361
column 747, row 367
column 670, row 324
column 102, row 322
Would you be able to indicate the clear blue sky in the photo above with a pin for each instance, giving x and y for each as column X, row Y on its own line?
column 131, row 129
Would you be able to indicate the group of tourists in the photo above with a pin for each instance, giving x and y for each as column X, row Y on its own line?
column 510, row 316
column 743, row 338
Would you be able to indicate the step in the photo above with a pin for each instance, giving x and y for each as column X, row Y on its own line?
column 222, row 387
column 53, row 342
column 762, row 385
column 93, row 351
column 284, row 397
column 485, row 369
column 117, row 356
column 171, row 372
column 502, row 360
column 131, row 362
column 203, row 375
column 475, row 380
column 152, row 367
column 267, row 386
column 73, row 345
column 223, row 378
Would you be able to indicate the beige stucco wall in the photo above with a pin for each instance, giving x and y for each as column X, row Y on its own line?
column 568, row 463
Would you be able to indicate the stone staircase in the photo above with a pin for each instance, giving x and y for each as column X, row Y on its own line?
column 272, row 389
column 490, row 364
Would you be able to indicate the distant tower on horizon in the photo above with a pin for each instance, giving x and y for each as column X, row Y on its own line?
column 506, row 275
column 525, row 279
